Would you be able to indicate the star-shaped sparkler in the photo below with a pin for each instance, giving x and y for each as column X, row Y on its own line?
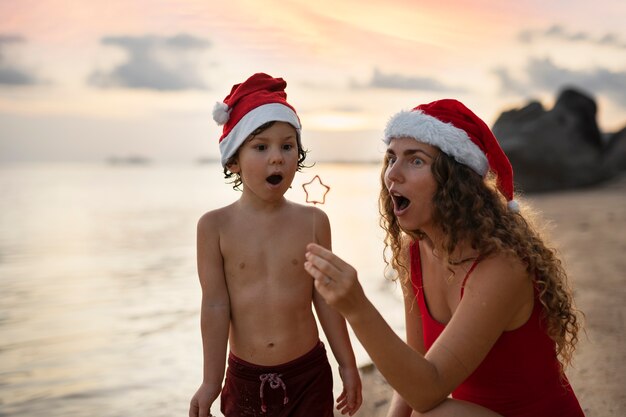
column 315, row 191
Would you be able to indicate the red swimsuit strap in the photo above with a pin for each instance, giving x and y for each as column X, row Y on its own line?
column 468, row 274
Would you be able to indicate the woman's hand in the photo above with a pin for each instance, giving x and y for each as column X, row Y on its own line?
column 335, row 280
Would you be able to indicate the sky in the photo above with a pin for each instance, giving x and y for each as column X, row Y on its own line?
column 86, row 80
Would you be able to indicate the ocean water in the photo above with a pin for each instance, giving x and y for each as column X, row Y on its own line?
column 99, row 297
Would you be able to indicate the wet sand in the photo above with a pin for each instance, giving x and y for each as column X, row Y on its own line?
column 588, row 227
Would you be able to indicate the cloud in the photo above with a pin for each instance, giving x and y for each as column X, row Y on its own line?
column 558, row 32
column 154, row 63
column 11, row 74
column 401, row 82
column 543, row 74
column 508, row 84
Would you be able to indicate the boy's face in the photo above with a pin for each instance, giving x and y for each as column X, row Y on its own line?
column 267, row 162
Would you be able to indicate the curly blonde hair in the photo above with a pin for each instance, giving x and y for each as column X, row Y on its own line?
column 470, row 208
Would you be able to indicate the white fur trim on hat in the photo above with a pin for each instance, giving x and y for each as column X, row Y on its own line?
column 447, row 137
column 251, row 121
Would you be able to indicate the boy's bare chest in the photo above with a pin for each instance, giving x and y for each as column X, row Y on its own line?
column 264, row 251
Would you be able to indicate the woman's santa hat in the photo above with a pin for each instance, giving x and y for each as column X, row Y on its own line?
column 459, row 133
column 256, row 101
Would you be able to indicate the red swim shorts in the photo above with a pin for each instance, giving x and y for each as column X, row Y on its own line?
column 302, row 387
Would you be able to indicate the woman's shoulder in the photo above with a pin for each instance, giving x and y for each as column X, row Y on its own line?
column 504, row 258
column 504, row 271
column 501, row 283
column 502, row 263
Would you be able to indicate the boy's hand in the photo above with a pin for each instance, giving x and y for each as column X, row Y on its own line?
column 200, row 405
column 350, row 399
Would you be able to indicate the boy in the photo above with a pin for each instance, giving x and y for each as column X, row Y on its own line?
column 256, row 294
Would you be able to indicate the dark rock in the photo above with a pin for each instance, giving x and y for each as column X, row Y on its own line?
column 560, row 148
column 615, row 152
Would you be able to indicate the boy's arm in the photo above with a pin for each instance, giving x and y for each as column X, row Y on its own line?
column 214, row 314
column 336, row 331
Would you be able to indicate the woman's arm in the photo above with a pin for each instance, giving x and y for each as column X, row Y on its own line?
column 214, row 314
column 425, row 381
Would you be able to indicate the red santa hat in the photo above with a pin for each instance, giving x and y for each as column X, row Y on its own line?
column 459, row 133
column 256, row 101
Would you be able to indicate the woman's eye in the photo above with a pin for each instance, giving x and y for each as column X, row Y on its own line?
column 417, row 161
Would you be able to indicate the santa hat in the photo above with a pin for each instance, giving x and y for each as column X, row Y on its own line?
column 256, row 101
column 459, row 133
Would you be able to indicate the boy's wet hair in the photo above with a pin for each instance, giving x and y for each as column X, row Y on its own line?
column 235, row 178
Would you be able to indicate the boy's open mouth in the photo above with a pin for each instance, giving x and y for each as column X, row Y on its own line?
column 400, row 202
column 274, row 179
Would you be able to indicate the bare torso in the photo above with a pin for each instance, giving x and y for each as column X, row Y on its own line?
column 271, row 317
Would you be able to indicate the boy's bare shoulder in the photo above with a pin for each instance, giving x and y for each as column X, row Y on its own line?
column 308, row 210
column 211, row 220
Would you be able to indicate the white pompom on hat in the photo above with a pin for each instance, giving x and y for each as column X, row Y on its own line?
column 256, row 101
column 449, row 125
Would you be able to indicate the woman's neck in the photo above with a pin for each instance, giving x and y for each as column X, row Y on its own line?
column 463, row 251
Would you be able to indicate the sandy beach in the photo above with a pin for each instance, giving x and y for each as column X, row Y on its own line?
column 588, row 227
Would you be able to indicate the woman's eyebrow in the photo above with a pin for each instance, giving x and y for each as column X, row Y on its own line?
column 409, row 152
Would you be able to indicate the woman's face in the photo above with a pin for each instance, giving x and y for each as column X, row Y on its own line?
column 410, row 182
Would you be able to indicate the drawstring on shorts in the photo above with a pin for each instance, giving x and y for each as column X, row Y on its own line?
column 275, row 381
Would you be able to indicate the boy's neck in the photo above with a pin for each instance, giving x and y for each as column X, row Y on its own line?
column 257, row 205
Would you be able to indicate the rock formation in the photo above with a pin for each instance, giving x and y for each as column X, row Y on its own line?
column 560, row 148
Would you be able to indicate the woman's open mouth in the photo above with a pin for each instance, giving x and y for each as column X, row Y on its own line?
column 400, row 202
column 274, row 179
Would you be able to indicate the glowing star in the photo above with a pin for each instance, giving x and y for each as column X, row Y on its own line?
column 316, row 191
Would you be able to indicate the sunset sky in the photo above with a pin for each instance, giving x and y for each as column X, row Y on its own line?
column 83, row 80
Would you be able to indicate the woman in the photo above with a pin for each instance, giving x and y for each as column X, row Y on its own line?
column 489, row 314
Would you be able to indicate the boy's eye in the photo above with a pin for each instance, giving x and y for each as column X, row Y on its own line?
column 260, row 147
column 287, row 146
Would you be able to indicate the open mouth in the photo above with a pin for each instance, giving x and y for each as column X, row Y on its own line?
column 400, row 202
column 274, row 179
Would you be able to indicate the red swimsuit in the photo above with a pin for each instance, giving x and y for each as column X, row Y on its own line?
column 520, row 375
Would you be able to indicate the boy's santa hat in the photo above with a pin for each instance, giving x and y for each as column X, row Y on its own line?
column 256, row 101
column 459, row 133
